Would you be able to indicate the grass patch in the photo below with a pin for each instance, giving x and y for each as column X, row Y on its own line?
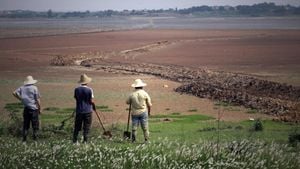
column 193, row 110
column 252, row 111
column 104, row 108
column 51, row 109
column 176, row 113
column 160, row 154
column 65, row 111
column 184, row 118
column 224, row 104
column 14, row 107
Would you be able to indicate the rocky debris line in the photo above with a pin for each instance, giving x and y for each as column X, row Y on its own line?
column 61, row 60
column 71, row 60
column 232, row 81
column 267, row 105
column 268, row 97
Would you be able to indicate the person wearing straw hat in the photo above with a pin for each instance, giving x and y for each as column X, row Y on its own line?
column 140, row 103
column 29, row 95
column 84, row 99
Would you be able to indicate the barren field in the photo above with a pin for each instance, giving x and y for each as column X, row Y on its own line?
column 57, row 62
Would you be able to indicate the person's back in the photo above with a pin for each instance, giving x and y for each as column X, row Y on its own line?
column 138, row 100
column 83, row 96
column 29, row 94
column 84, row 101
column 140, row 106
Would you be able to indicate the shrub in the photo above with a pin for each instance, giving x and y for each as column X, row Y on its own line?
column 15, row 125
column 2, row 128
column 294, row 137
column 257, row 125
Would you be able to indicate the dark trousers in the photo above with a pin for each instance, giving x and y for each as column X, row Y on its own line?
column 30, row 116
column 84, row 119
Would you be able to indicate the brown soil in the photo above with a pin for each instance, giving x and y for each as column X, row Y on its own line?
column 259, row 52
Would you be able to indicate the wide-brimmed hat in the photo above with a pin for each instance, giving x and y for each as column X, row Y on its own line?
column 29, row 80
column 84, row 79
column 138, row 83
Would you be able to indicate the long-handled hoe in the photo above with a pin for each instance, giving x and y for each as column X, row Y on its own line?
column 106, row 132
column 65, row 120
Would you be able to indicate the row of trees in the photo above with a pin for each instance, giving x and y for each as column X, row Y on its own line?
column 256, row 10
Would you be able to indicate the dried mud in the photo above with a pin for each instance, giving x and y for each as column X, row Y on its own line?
column 272, row 98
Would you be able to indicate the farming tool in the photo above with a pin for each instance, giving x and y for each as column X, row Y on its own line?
column 105, row 132
column 127, row 133
column 65, row 120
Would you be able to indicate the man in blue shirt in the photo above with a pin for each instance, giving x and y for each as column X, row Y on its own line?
column 84, row 100
column 29, row 95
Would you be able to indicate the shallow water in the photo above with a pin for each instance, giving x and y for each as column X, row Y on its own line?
column 37, row 27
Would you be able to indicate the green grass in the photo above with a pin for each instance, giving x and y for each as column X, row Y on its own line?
column 252, row 111
column 188, row 128
column 51, row 109
column 186, row 141
column 160, row 154
column 14, row 107
column 104, row 108
column 183, row 118
column 226, row 106
column 193, row 110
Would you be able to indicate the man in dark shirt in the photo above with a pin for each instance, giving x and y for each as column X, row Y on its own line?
column 84, row 99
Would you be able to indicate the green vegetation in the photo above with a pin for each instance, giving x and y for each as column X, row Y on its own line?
column 14, row 107
column 177, row 141
column 252, row 111
column 161, row 153
column 193, row 110
column 258, row 126
column 104, row 108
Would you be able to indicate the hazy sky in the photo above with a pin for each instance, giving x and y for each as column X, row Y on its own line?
column 96, row 5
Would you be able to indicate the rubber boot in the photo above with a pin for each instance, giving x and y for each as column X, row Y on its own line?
column 34, row 135
column 133, row 137
column 146, row 135
column 85, row 138
column 25, row 132
column 75, row 135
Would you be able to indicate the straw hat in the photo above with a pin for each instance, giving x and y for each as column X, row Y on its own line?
column 84, row 79
column 29, row 80
column 138, row 83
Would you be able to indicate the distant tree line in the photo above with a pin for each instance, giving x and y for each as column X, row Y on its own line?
column 256, row 10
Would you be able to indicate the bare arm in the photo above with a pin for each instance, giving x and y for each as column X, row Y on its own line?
column 16, row 96
column 149, row 108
